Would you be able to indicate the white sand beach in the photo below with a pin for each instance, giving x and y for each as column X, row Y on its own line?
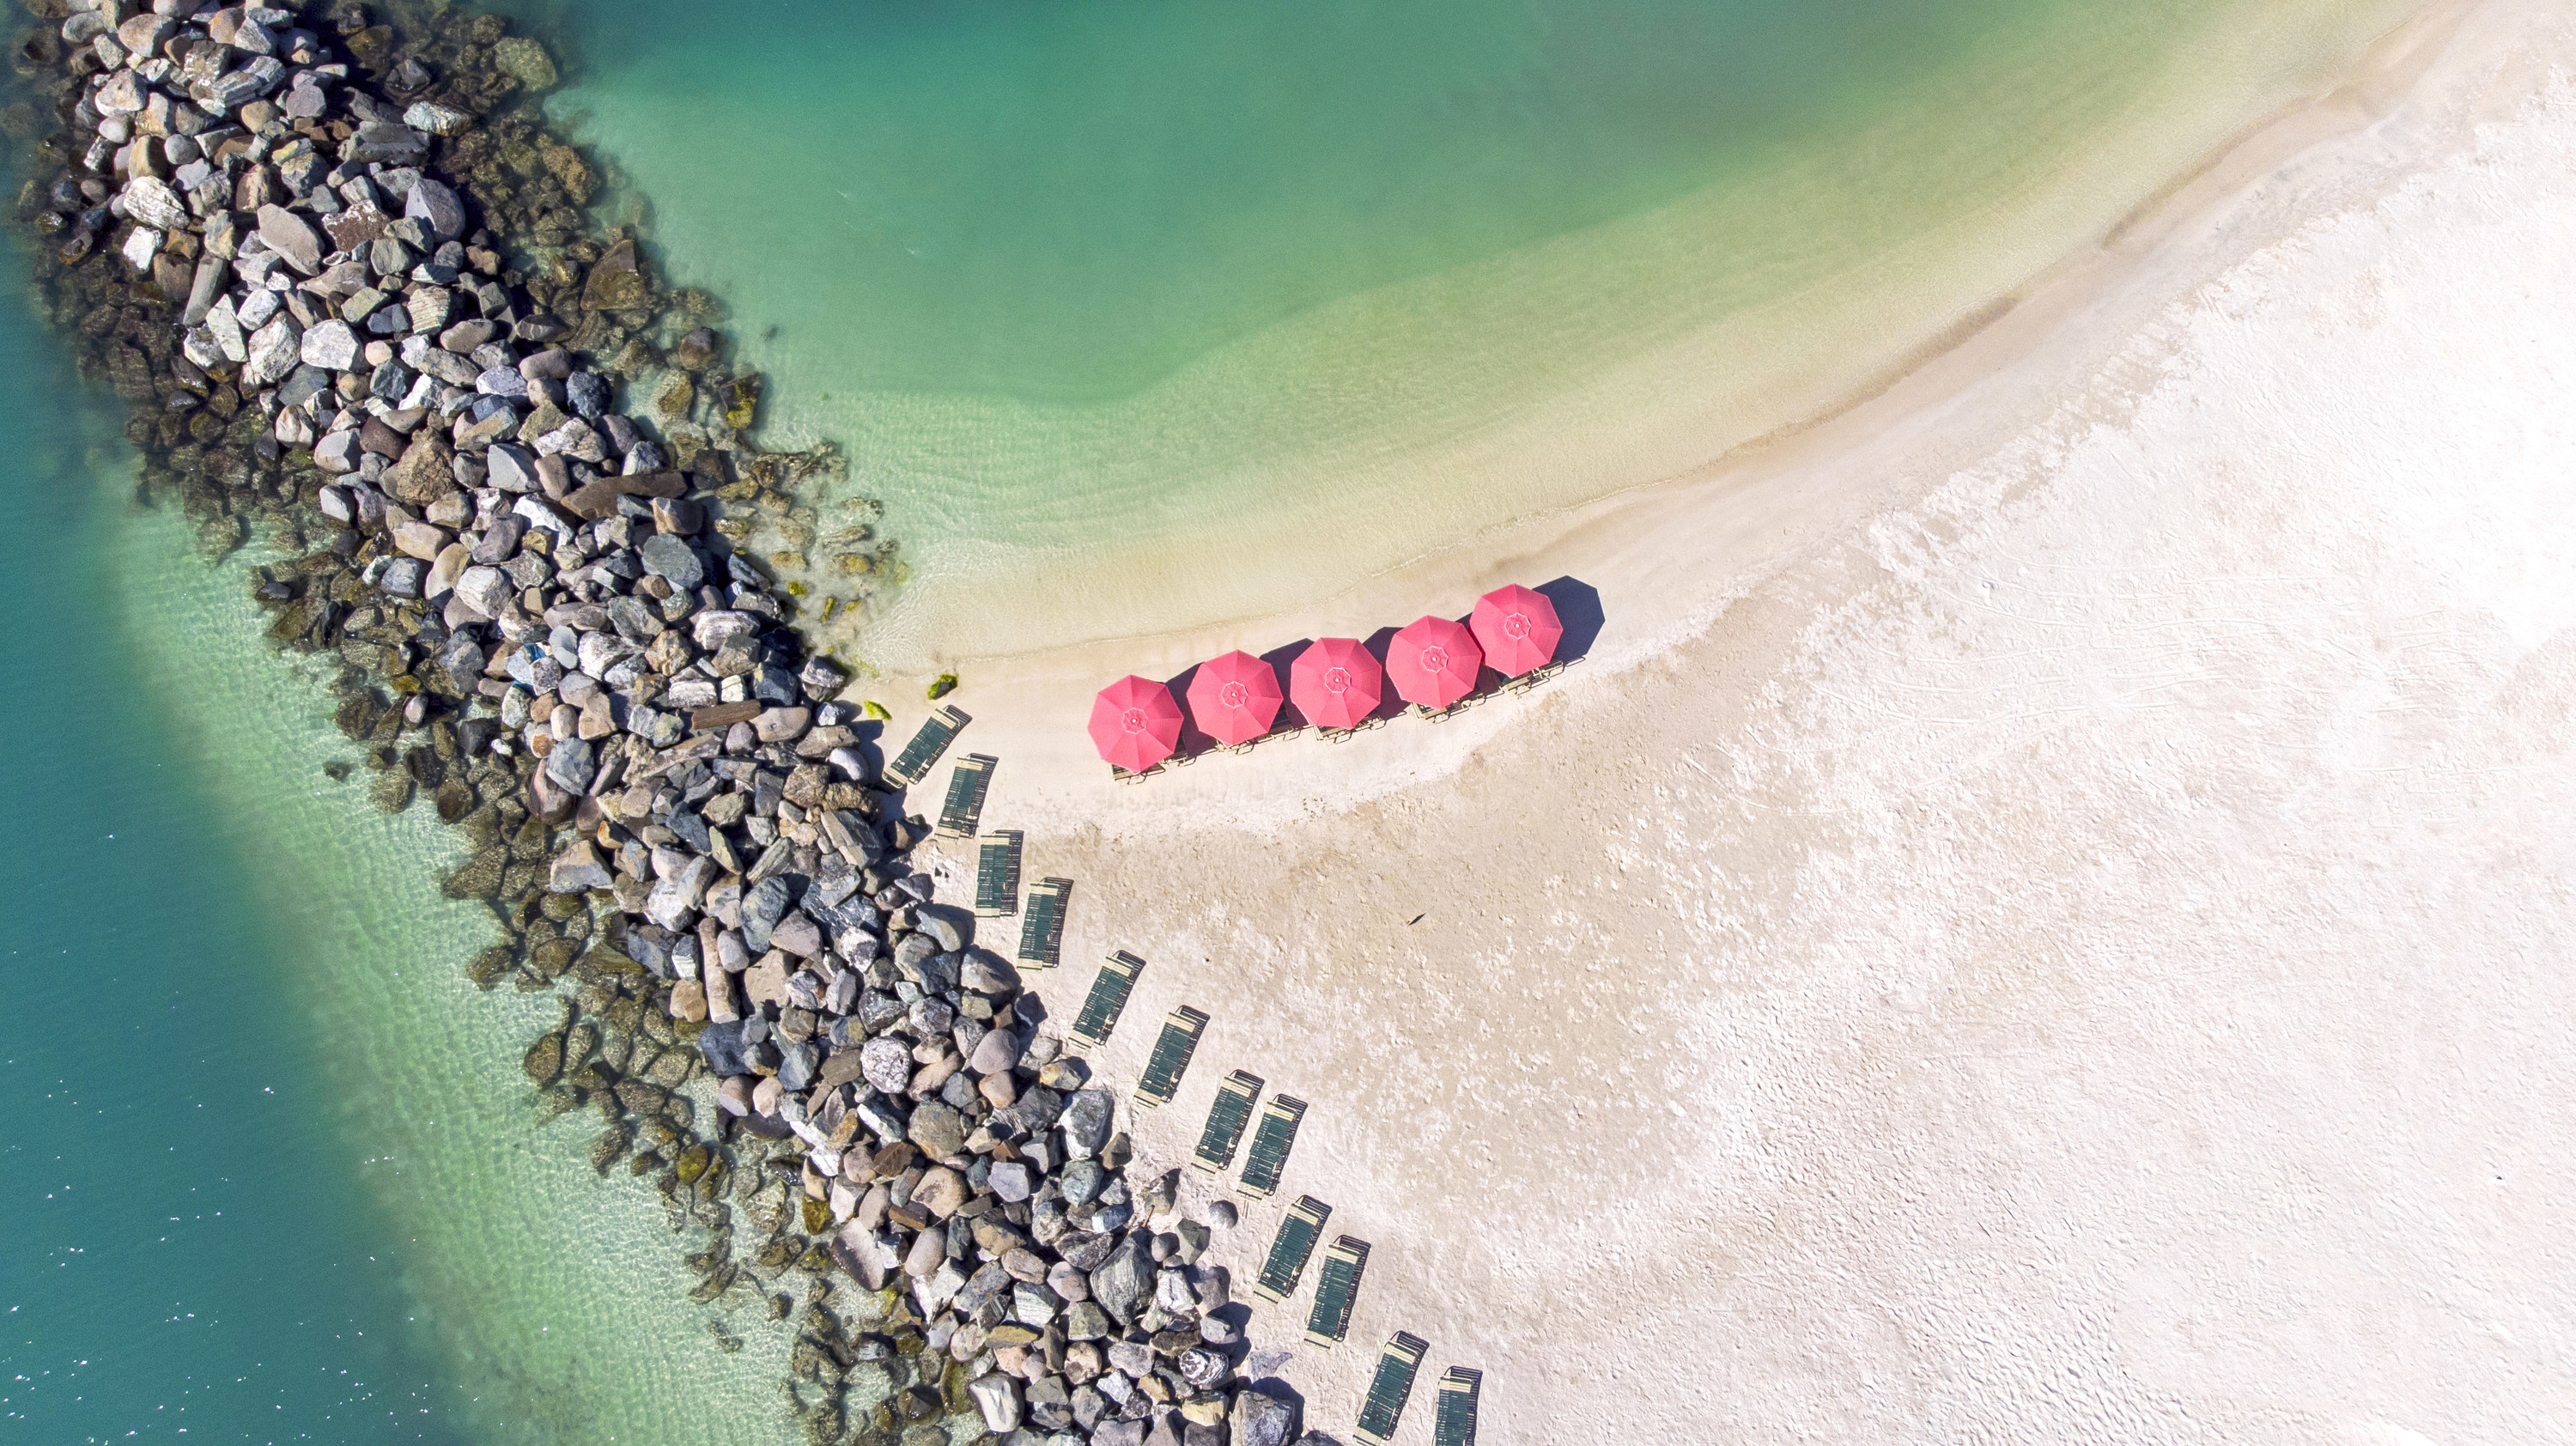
column 2044, row 914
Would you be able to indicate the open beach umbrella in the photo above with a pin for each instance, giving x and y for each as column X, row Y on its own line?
column 1235, row 698
column 1433, row 662
column 1517, row 628
column 1335, row 682
column 1135, row 723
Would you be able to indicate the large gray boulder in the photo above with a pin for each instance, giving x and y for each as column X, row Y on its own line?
column 1265, row 1414
column 1125, row 1281
column 1086, row 1121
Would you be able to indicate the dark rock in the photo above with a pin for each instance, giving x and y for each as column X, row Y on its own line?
column 673, row 560
column 724, row 1049
column 1266, row 1413
column 1125, row 1281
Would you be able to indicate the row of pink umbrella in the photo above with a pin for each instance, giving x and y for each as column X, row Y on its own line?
column 1335, row 682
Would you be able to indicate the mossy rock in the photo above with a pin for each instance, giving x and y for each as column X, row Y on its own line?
column 490, row 965
column 481, row 876
column 554, row 1104
column 639, row 1097
column 544, row 1059
column 521, row 880
column 581, row 1043
column 671, row 1068
column 604, row 961
column 817, row 1217
column 693, row 1163
column 554, row 956
column 392, row 791
column 609, row 1148
column 455, row 801
column 942, row 686
column 876, row 710
column 739, row 401
column 560, row 907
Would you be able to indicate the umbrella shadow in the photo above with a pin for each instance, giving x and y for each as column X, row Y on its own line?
column 1389, row 705
column 1278, row 660
column 1192, row 741
column 1578, row 610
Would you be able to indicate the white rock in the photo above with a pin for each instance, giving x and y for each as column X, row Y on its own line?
column 998, row 1397
column 331, row 345
column 150, row 201
column 274, row 351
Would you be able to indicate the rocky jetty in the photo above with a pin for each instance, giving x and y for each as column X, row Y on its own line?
column 347, row 281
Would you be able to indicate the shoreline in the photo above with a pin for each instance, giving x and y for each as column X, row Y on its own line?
column 1668, row 557
column 1243, row 482
column 537, row 614
column 2071, row 916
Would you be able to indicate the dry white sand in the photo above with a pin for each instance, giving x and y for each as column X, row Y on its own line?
column 2048, row 915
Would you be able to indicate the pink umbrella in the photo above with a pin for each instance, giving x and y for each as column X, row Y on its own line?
column 1135, row 723
column 1518, row 629
column 1433, row 662
column 1234, row 699
column 1335, row 682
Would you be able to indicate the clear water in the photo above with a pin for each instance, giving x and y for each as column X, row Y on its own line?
column 1137, row 314
column 1146, row 315
column 274, row 1175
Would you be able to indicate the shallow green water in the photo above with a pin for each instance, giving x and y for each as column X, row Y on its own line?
column 1144, row 315
column 274, row 1175
column 192, row 1247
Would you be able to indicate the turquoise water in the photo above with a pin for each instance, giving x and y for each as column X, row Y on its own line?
column 191, row 1245
column 1141, row 316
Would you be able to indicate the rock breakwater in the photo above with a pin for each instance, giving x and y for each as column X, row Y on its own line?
column 347, row 281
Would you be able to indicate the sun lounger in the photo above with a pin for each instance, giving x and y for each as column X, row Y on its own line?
column 1337, row 1287
column 1042, row 927
column 1171, row 1056
column 937, row 732
column 1270, row 1144
column 1299, row 1229
column 966, row 788
column 1390, row 1388
column 997, row 874
column 1226, row 1119
column 1108, row 997
column 1456, row 1423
